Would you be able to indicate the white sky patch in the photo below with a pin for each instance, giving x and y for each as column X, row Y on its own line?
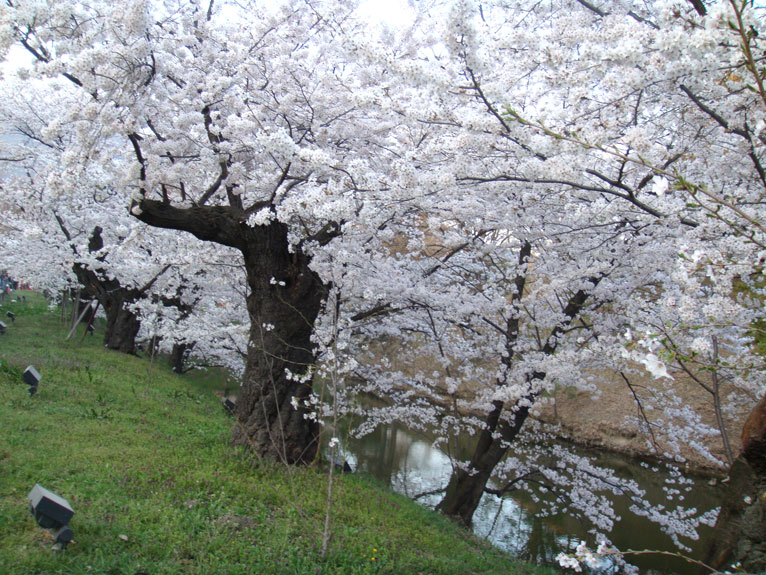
column 394, row 13
column 16, row 58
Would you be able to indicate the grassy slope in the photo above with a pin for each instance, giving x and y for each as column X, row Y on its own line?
column 143, row 458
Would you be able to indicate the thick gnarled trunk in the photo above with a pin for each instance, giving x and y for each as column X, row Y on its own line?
column 122, row 325
column 284, row 300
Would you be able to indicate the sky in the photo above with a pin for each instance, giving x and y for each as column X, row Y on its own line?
column 391, row 12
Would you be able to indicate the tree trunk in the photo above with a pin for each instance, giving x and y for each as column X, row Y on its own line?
column 178, row 356
column 465, row 487
column 76, row 307
column 284, row 300
column 739, row 535
column 122, row 325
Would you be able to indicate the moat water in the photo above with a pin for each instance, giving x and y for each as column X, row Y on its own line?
column 410, row 463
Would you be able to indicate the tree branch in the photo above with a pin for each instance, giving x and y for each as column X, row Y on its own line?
column 324, row 236
column 142, row 290
column 511, row 485
column 218, row 224
column 712, row 113
column 506, row 128
column 64, row 230
column 721, row 121
column 643, row 413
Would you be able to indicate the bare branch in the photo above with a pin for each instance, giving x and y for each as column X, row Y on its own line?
column 644, row 417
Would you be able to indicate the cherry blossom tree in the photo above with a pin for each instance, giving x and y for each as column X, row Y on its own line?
column 592, row 185
column 64, row 206
column 196, row 314
column 513, row 196
column 244, row 127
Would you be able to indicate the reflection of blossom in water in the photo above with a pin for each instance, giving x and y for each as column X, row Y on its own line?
column 503, row 522
column 410, row 463
column 425, row 469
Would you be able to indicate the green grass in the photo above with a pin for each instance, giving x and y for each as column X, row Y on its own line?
column 143, row 457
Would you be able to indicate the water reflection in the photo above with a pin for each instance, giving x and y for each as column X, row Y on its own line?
column 411, row 465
